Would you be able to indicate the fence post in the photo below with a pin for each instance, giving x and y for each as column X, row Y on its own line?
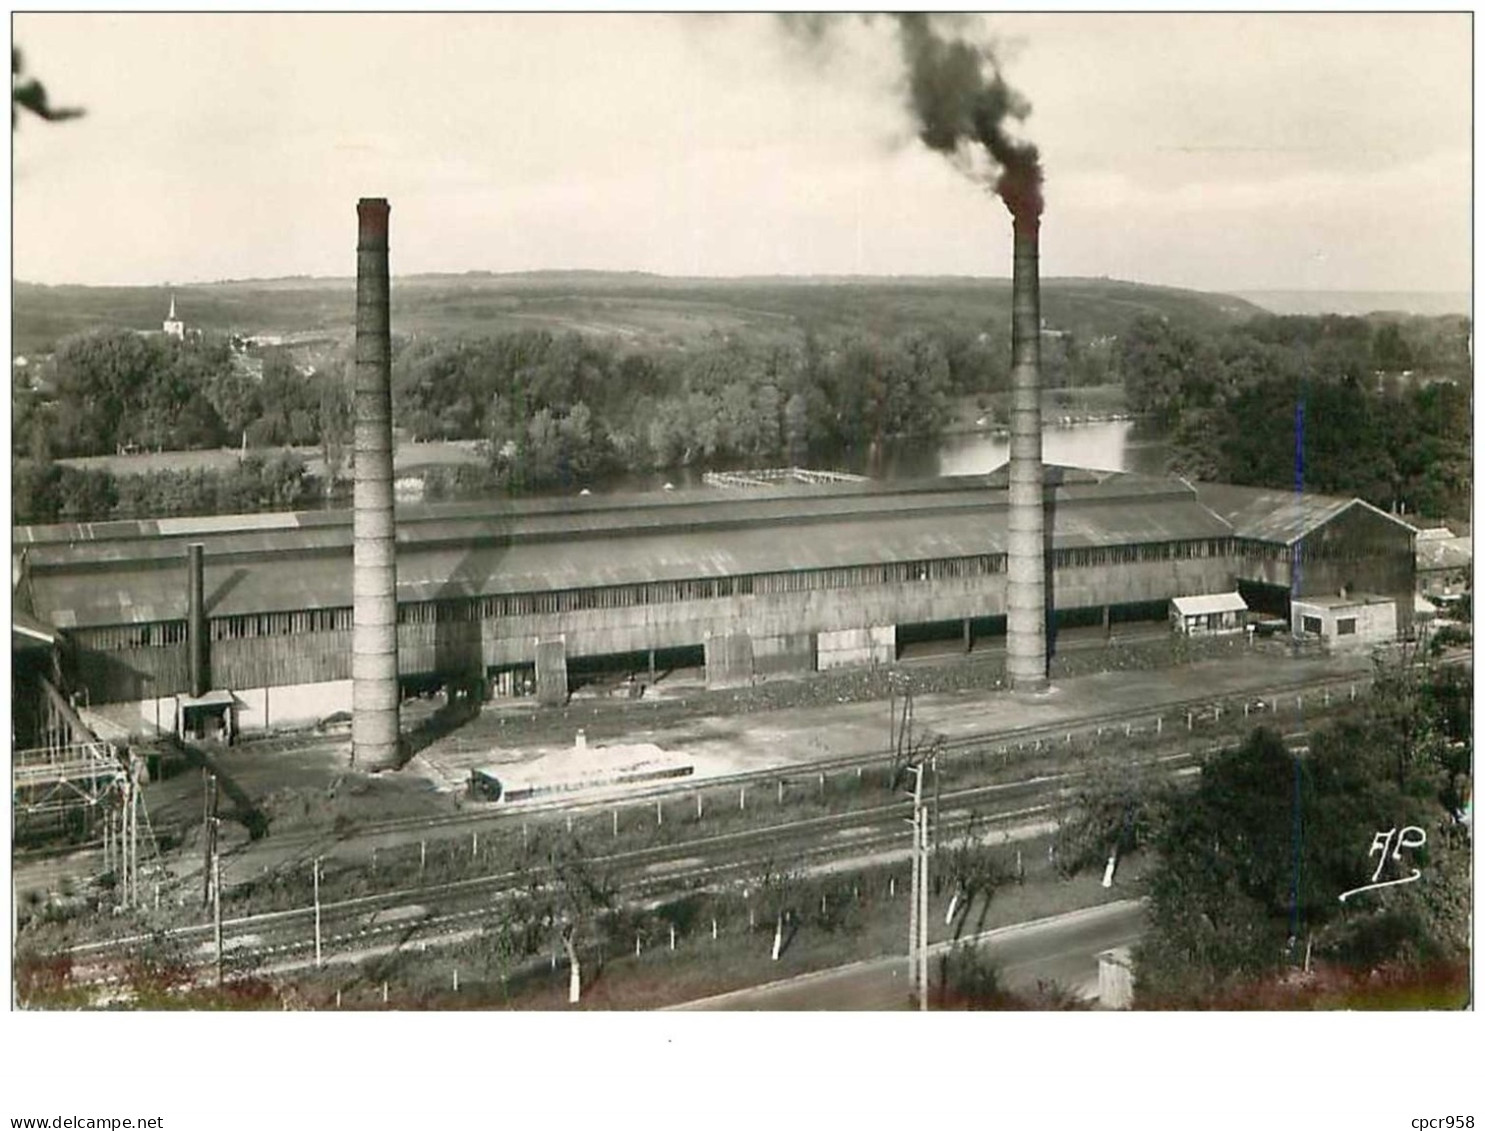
column 659, row 813
column 672, row 936
column 456, row 979
column 616, row 824
column 474, row 845
column 422, row 856
column 714, row 927
column 742, row 798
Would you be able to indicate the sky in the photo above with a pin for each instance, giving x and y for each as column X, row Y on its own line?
column 1220, row 152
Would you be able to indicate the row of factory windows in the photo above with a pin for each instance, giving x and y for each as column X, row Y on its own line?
column 1186, row 550
column 251, row 625
column 111, row 638
column 160, row 634
column 699, row 589
column 280, row 624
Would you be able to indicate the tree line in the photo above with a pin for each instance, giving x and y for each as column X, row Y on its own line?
column 1250, row 864
column 116, row 390
column 1385, row 406
column 552, row 410
column 1381, row 405
column 53, row 492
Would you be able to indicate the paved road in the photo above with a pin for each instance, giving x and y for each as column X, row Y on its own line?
column 1062, row 949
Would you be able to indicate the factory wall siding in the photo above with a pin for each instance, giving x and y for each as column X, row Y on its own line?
column 599, row 632
column 1139, row 582
column 784, row 614
column 267, row 661
column 778, row 655
column 1362, row 552
column 127, row 674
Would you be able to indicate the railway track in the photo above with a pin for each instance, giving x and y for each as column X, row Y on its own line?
column 1001, row 742
column 648, row 872
column 426, row 912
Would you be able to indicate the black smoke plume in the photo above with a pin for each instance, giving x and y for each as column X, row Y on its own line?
column 960, row 99
column 956, row 94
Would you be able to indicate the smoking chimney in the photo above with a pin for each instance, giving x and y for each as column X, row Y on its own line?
column 1026, row 591
column 961, row 100
column 375, row 694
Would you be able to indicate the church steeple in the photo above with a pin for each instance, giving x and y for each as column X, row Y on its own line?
column 174, row 327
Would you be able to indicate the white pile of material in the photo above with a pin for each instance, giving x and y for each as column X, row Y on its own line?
column 591, row 767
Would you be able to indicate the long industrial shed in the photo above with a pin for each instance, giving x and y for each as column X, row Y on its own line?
column 775, row 579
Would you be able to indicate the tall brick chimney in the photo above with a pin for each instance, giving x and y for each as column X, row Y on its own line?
column 1026, row 590
column 375, row 692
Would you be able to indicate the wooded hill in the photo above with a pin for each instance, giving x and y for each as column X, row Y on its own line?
column 644, row 310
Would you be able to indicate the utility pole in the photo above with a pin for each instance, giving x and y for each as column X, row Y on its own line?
column 133, row 837
column 216, row 898
column 923, row 896
column 913, row 907
column 208, row 830
column 918, row 906
column 317, row 912
column 124, row 839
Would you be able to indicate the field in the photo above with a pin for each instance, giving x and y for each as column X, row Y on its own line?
column 646, row 310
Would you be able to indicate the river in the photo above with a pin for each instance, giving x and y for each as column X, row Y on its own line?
column 1107, row 445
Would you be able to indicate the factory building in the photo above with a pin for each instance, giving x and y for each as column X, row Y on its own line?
column 793, row 578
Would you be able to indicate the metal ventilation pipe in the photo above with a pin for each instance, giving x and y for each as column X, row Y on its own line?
column 375, row 694
column 196, row 657
column 1026, row 589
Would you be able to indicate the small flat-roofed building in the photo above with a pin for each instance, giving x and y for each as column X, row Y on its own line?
column 1208, row 613
column 1443, row 562
column 1299, row 546
column 1351, row 621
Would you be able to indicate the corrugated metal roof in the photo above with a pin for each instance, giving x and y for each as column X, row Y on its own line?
column 1443, row 553
column 27, row 631
column 1271, row 515
column 1205, row 604
column 440, row 554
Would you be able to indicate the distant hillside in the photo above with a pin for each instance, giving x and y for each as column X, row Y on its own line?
column 644, row 309
column 1426, row 303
